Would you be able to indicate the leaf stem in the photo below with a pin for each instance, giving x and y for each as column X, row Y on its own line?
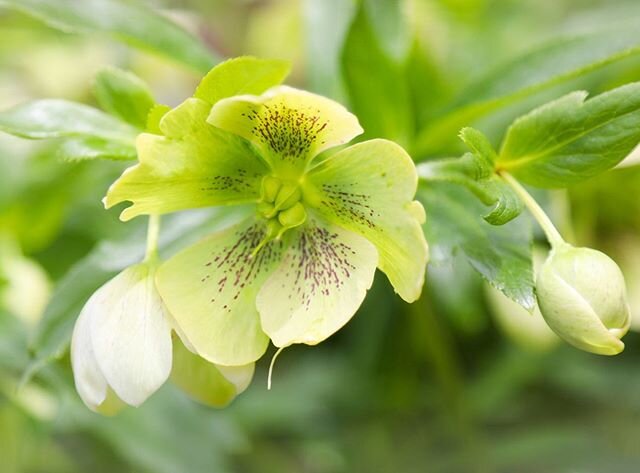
column 153, row 231
column 552, row 233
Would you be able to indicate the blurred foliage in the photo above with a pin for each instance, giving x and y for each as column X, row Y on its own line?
column 435, row 386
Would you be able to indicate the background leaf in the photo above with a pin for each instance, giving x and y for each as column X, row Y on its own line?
column 123, row 94
column 327, row 24
column 378, row 91
column 128, row 21
column 90, row 147
column 53, row 118
column 557, row 61
column 502, row 255
column 389, row 21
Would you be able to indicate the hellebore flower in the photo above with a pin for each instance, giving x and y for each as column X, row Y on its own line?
column 121, row 349
column 582, row 296
column 299, row 267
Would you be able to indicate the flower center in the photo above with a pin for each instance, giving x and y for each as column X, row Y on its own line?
column 281, row 206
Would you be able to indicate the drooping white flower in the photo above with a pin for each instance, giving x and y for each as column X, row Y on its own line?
column 121, row 344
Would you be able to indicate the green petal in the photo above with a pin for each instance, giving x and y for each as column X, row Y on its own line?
column 241, row 75
column 369, row 188
column 206, row 382
column 322, row 280
column 193, row 165
column 289, row 126
column 210, row 290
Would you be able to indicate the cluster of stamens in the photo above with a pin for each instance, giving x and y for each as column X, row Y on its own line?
column 280, row 205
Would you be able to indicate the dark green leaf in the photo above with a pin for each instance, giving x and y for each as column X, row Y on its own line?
column 502, row 255
column 124, row 95
column 376, row 85
column 128, row 21
column 570, row 139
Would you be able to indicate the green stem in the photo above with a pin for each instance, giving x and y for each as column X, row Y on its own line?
column 153, row 231
column 553, row 235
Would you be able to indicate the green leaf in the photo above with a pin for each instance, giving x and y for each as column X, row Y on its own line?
column 570, row 139
column 327, row 23
column 13, row 354
column 376, row 83
column 548, row 65
column 53, row 118
column 89, row 147
column 422, row 68
column 390, row 24
column 482, row 150
column 124, row 95
column 475, row 172
column 129, row 21
column 242, row 75
column 502, row 255
column 51, row 337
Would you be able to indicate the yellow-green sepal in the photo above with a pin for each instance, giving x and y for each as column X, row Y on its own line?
column 210, row 290
column 317, row 288
column 289, row 126
column 369, row 189
column 205, row 382
column 241, row 75
column 193, row 165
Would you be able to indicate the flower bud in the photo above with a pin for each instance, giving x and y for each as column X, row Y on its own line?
column 582, row 296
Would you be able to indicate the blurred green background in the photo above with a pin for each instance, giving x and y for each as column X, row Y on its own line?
column 460, row 381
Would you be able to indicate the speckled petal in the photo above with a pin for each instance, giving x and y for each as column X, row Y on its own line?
column 289, row 126
column 369, row 188
column 210, row 289
column 323, row 279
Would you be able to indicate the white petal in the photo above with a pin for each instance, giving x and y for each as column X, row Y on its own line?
column 131, row 334
column 90, row 382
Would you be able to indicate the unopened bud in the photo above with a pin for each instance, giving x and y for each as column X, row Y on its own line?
column 582, row 296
